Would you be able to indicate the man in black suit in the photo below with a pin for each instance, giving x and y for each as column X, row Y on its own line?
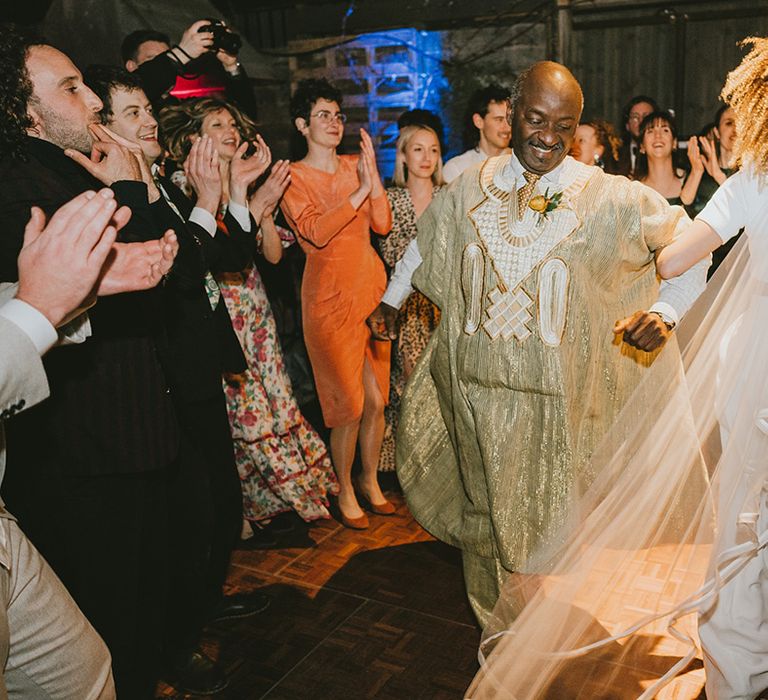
column 89, row 467
column 93, row 466
column 637, row 109
column 202, row 345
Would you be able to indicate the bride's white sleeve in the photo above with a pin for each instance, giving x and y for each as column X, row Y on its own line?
column 728, row 210
column 676, row 295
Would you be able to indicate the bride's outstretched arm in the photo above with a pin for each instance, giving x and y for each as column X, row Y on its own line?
column 684, row 252
column 725, row 214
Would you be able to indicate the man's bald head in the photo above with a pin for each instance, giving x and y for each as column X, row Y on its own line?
column 547, row 71
column 546, row 105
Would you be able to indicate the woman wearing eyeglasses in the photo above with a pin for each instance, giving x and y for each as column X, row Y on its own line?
column 332, row 204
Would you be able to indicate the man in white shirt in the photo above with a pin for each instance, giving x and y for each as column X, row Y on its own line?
column 487, row 112
column 530, row 257
column 47, row 647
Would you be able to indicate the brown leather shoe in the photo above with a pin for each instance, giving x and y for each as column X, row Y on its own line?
column 360, row 523
column 385, row 508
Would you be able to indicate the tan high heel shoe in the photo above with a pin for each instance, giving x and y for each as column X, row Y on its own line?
column 385, row 508
column 360, row 523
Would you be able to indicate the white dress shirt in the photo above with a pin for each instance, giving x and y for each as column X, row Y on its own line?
column 29, row 320
column 202, row 217
column 458, row 164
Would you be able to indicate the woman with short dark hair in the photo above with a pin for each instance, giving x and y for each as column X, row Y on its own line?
column 332, row 204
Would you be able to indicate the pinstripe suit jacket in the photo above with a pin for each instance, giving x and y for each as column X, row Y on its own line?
column 109, row 411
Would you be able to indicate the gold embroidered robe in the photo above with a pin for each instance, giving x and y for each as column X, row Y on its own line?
column 495, row 432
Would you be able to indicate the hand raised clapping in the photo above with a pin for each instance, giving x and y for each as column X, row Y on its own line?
column 368, row 153
column 710, row 160
column 243, row 172
column 264, row 201
column 367, row 173
column 203, row 174
column 694, row 156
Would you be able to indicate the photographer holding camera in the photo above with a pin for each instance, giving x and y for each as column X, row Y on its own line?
column 208, row 47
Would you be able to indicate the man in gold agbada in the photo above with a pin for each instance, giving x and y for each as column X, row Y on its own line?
column 528, row 366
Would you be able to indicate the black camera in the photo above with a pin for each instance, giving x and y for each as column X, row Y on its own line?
column 222, row 38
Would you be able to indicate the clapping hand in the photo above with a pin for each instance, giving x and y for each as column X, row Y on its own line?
column 203, row 174
column 368, row 152
column 243, row 172
column 264, row 201
column 694, row 156
column 364, row 176
column 109, row 161
column 138, row 266
column 60, row 261
column 711, row 162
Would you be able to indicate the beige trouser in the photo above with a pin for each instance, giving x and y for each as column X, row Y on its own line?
column 47, row 648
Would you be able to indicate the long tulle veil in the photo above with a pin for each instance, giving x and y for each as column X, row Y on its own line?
column 609, row 608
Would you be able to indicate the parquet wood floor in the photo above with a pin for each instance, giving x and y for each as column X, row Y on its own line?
column 382, row 614
column 379, row 614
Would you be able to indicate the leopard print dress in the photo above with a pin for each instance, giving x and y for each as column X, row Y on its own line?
column 418, row 317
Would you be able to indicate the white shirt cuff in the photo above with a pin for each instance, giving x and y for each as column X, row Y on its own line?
column 204, row 219
column 241, row 214
column 396, row 294
column 40, row 331
column 77, row 331
column 667, row 311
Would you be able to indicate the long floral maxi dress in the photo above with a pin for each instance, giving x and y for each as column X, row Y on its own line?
column 282, row 461
column 418, row 318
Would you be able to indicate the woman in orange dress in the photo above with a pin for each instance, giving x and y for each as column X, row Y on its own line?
column 332, row 204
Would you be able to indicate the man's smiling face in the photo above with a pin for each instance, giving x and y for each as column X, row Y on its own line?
column 545, row 117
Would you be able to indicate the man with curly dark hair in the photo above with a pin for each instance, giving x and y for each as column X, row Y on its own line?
column 88, row 468
column 16, row 89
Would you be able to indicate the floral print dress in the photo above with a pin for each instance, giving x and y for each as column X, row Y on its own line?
column 418, row 318
column 282, row 461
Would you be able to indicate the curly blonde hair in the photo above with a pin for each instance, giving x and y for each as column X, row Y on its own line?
column 400, row 176
column 180, row 122
column 746, row 91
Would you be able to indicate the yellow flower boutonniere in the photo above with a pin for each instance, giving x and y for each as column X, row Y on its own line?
column 542, row 204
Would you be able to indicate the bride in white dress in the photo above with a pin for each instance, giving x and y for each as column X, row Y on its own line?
column 669, row 545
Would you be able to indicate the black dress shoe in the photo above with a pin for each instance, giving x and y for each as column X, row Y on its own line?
column 233, row 607
column 197, row 674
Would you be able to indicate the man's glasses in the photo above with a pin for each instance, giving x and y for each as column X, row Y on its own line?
column 325, row 117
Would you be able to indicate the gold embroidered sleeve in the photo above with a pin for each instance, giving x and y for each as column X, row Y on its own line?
column 659, row 220
column 437, row 227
